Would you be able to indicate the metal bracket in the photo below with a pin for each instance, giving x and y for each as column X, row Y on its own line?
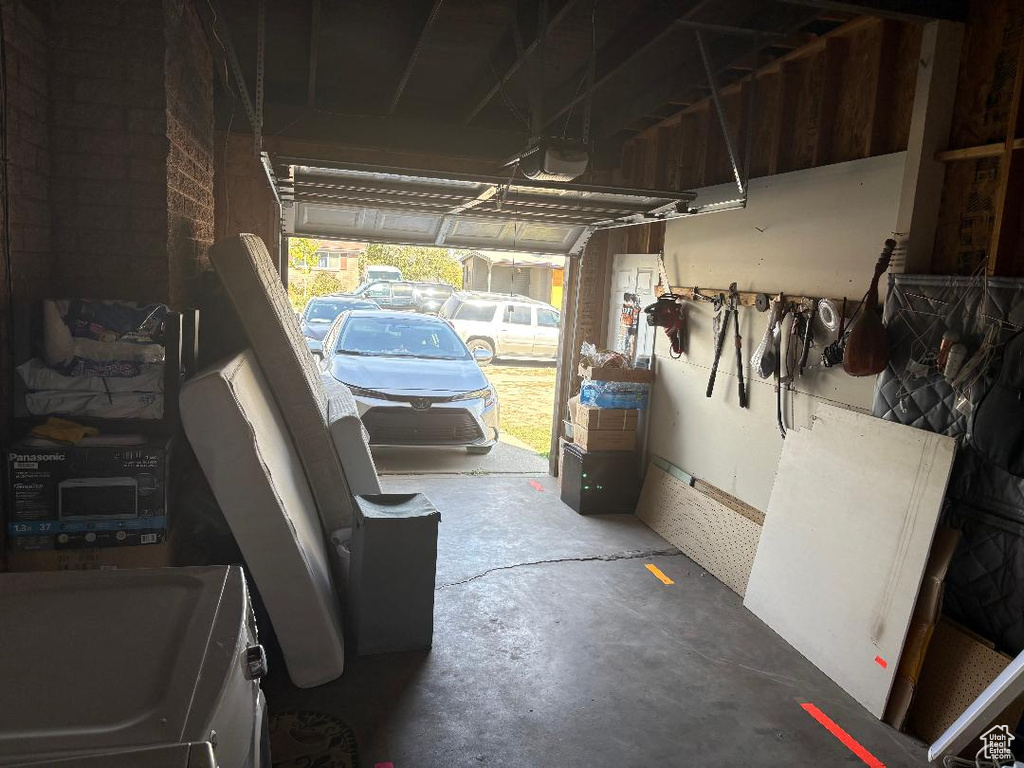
column 224, row 37
column 261, row 36
column 720, row 111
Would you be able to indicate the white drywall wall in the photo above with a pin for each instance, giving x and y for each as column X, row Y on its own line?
column 814, row 233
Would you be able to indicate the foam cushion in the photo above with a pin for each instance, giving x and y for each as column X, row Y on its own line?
column 243, row 445
column 254, row 285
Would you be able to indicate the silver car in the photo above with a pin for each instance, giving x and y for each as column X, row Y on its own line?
column 505, row 327
column 414, row 380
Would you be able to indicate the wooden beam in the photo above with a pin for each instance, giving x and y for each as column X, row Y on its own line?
column 916, row 11
column 1006, row 252
column 995, row 149
column 938, row 69
column 493, row 89
column 836, row 50
column 389, row 133
column 749, row 298
column 314, row 51
column 417, row 48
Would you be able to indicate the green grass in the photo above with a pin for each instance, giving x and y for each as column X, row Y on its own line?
column 526, row 393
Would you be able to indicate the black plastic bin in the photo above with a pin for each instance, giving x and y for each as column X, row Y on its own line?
column 391, row 576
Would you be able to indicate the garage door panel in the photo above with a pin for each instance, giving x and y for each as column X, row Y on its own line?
column 414, row 207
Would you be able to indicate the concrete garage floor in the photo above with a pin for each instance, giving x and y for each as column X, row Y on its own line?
column 554, row 646
column 508, row 456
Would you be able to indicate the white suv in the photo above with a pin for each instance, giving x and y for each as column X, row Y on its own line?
column 509, row 327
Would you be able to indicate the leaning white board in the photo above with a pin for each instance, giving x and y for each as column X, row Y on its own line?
column 845, row 540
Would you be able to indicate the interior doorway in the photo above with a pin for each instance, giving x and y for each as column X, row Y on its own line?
column 635, row 273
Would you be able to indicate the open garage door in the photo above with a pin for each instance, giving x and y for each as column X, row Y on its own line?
column 408, row 207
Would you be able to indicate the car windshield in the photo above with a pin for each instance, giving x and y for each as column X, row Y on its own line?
column 400, row 336
column 323, row 311
column 434, row 291
column 481, row 313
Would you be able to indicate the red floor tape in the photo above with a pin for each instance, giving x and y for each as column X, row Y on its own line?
column 847, row 740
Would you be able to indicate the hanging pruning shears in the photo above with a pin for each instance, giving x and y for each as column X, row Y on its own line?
column 734, row 302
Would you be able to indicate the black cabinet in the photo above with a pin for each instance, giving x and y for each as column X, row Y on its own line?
column 600, row 482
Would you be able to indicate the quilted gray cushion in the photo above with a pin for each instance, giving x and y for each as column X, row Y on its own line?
column 985, row 582
column 251, row 280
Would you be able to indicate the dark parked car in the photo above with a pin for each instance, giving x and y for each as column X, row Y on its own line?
column 414, row 380
column 430, row 297
column 321, row 311
column 388, row 294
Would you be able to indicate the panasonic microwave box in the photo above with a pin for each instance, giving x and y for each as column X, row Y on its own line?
column 95, row 494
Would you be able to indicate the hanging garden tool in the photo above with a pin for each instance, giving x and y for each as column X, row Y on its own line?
column 763, row 359
column 867, row 348
column 832, row 355
column 721, row 327
column 734, row 302
column 668, row 314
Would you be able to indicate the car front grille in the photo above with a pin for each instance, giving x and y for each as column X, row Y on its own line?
column 407, row 426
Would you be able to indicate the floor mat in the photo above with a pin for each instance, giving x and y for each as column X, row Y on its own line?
column 311, row 740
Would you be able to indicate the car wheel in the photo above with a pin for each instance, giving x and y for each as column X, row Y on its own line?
column 476, row 344
column 478, row 450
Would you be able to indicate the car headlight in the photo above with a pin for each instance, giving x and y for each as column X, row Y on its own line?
column 364, row 392
column 486, row 393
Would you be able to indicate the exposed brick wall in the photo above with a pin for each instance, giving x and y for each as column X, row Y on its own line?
column 28, row 145
column 190, row 174
column 28, row 169
column 109, row 147
column 131, row 140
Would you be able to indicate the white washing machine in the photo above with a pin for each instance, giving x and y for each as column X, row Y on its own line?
column 148, row 668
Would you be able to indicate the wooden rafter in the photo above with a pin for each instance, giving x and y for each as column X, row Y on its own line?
column 523, row 55
column 417, row 48
column 625, row 48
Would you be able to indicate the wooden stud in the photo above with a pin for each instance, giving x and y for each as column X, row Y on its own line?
column 1006, row 253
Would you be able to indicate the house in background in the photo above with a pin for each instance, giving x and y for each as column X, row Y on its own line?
column 341, row 259
column 526, row 274
column 335, row 270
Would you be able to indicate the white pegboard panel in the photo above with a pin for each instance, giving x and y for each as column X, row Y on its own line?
column 719, row 539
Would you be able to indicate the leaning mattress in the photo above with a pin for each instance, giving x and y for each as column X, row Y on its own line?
column 984, row 587
column 261, row 301
column 244, row 447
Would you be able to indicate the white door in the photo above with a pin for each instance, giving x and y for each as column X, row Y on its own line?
column 632, row 273
column 515, row 339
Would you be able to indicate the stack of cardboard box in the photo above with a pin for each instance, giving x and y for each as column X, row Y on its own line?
column 598, row 425
column 605, row 429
